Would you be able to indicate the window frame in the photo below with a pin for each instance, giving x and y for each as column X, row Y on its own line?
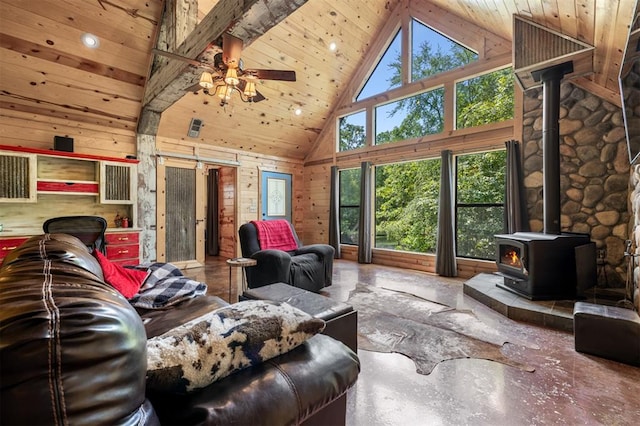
column 458, row 205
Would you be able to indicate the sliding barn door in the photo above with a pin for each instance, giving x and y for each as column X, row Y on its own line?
column 181, row 224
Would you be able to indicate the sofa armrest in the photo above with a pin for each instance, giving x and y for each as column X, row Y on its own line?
column 273, row 267
column 322, row 250
column 288, row 389
column 326, row 253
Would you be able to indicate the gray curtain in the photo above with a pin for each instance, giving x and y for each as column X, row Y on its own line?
column 515, row 206
column 334, row 212
column 446, row 245
column 364, row 230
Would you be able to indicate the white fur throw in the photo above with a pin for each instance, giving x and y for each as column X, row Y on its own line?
column 208, row 348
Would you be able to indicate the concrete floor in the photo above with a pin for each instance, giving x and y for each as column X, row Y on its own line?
column 567, row 387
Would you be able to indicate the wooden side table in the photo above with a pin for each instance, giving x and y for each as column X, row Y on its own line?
column 242, row 262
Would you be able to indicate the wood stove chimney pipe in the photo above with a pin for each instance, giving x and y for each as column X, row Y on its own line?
column 551, row 78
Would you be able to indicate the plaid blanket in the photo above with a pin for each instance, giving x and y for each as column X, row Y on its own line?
column 165, row 286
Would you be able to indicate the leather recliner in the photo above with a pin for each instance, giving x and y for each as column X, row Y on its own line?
column 309, row 267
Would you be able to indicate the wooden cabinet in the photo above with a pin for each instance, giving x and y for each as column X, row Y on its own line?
column 18, row 173
column 117, row 183
column 25, row 173
column 123, row 247
column 8, row 244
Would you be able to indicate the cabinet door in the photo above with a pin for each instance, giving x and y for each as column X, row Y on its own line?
column 8, row 244
column 117, row 183
column 18, row 176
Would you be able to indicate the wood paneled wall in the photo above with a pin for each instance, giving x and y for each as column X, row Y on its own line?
column 241, row 186
column 317, row 186
column 37, row 131
column 227, row 211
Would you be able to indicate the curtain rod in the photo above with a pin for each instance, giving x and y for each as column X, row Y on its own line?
column 197, row 158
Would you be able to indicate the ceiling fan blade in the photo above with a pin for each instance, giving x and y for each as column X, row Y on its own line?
column 258, row 97
column 272, row 74
column 231, row 49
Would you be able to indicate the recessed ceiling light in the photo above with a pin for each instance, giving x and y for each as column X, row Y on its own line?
column 333, row 46
column 297, row 111
column 90, row 40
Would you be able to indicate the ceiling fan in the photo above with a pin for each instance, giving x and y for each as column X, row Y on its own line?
column 227, row 73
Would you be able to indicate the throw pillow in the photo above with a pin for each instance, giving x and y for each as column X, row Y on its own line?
column 208, row 348
column 126, row 281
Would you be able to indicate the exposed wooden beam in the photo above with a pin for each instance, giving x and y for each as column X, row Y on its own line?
column 47, row 53
column 598, row 90
column 246, row 20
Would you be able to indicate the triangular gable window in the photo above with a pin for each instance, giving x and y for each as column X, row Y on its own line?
column 433, row 53
column 387, row 73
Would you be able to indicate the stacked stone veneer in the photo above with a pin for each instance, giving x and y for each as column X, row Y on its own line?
column 632, row 104
column 595, row 174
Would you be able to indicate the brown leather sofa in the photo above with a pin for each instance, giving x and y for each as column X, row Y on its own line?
column 73, row 351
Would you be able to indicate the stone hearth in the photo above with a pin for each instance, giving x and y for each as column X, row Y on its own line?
column 556, row 314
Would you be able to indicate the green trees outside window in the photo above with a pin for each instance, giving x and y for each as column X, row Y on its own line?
column 349, row 205
column 407, row 205
column 484, row 99
column 480, row 182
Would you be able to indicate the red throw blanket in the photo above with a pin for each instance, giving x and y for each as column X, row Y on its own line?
column 275, row 234
column 126, row 281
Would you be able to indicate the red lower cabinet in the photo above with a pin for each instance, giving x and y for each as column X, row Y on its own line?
column 8, row 244
column 123, row 247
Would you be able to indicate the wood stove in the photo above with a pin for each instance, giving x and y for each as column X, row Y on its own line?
column 544, row 265
column 540, row 266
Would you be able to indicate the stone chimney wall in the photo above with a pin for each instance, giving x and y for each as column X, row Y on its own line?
column 595, row 174
column 635, row 233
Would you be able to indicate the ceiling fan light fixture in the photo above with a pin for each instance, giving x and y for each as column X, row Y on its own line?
column 224, row 92
column 232, row 77
column 206, row 80
column 250, row 90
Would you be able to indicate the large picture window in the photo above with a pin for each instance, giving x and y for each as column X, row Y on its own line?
column 480, row 182
column 406, row 216
column 404, row 101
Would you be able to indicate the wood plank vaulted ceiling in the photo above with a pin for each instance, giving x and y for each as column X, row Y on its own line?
column 46, row 71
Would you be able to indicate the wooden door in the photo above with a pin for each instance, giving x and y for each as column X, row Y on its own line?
column 181, row 213
column 276, row 196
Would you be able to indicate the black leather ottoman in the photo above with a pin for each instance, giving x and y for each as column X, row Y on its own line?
column 607, row 331
column 340, row 318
